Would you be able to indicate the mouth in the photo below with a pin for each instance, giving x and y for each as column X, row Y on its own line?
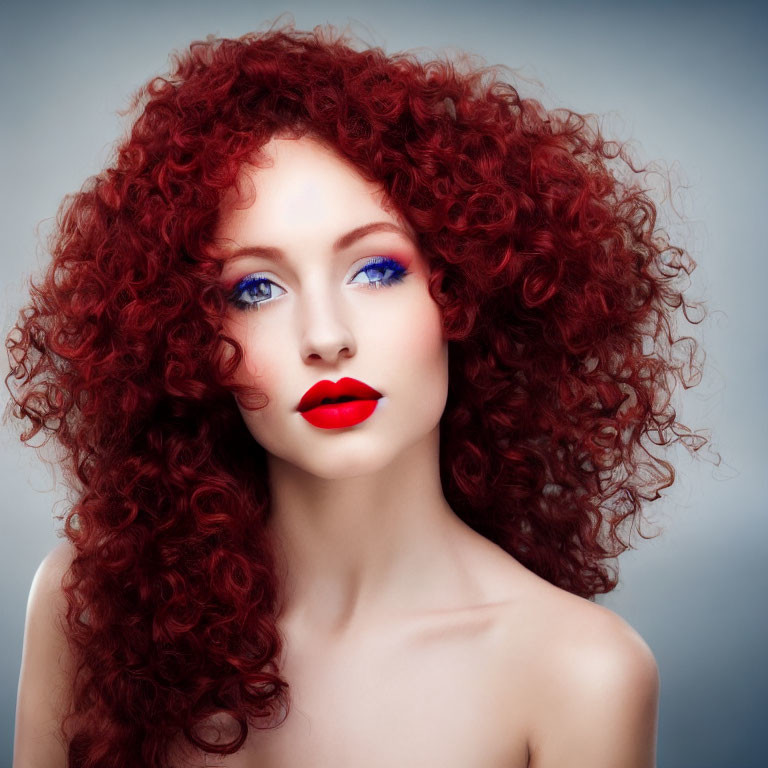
column 345, row 390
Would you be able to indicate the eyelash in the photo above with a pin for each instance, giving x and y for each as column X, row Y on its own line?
column 385, row 263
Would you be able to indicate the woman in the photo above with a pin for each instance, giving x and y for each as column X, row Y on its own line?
column 350, row 359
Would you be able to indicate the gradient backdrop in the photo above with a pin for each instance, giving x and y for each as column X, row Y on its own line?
column 685, row 81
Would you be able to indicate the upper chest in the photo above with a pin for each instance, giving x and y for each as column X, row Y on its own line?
column 451, row 693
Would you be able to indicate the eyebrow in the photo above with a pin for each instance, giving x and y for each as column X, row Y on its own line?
column 345, row 241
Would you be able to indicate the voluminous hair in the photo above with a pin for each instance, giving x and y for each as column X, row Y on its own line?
column 558, row 296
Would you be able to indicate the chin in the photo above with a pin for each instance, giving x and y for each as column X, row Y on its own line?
column 340, row 459
column 354, row 462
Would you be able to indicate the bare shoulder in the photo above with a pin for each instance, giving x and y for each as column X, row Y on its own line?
column 53, row 567
column 592, row 643
column 47, row 667
column 46, row 606
column 593, row 684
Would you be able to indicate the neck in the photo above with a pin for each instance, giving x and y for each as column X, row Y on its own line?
column 357, row 549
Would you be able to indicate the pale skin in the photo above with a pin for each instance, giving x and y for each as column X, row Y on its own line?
column 410, row 640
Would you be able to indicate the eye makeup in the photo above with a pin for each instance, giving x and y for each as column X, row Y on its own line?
column 379, row 271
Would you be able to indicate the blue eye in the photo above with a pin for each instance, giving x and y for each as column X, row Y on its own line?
column 389, row 271
column 255, row 289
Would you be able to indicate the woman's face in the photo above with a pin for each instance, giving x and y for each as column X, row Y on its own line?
column 328, row 305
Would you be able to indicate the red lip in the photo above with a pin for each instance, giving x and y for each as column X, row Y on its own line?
column 327, row 389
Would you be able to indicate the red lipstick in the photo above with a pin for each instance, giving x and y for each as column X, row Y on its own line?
column 354, row 402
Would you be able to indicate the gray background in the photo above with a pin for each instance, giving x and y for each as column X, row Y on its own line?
column 685, row 81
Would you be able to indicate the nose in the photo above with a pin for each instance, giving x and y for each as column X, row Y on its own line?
column 326, row 334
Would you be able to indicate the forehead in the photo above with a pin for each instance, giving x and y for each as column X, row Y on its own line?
column 299, row 185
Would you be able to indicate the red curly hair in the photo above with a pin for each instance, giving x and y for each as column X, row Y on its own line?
column 557, row 292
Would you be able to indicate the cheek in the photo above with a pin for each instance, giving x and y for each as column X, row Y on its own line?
column 261, row 366
column 424, row 362
column 417, row 338
column 257, row 365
